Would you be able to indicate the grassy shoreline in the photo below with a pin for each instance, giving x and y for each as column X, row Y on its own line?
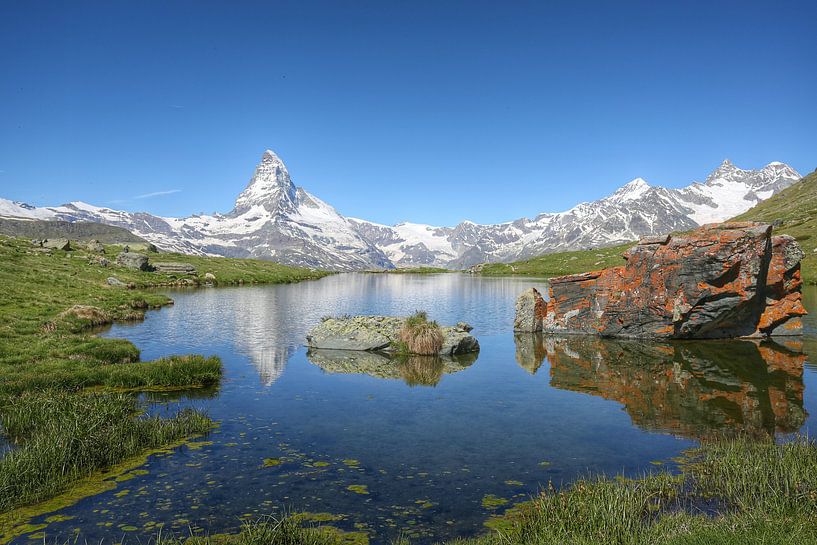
column 63, row 400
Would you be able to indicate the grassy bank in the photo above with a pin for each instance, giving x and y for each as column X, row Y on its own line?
column 728, row 492
column 58, row 381
column 560, row 263
column 794, row 212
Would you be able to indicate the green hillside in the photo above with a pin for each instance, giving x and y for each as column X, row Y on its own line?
column 560, row 263
column 794, row 212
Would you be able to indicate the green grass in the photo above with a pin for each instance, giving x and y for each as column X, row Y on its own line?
column 757, row 493
column 59, row 404
column 794, row 212
column 63, row 437
column 287, row 530
column 226, row 270
column 560, row 263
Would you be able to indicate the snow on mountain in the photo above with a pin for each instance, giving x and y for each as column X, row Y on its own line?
column 271, row 219
column 274, row 219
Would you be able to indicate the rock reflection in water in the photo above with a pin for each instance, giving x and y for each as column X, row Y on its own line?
column 413, row 370
column 695, row 389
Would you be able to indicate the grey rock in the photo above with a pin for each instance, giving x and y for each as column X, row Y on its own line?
column 530, row 311
column 98, row 260
column 173, row 267
column 95, row 247
column 457, row 341
column 133, row 260
column 116, row 282
column 463, row 326
column 57, row 244
column 379, row 333
column 146, row 247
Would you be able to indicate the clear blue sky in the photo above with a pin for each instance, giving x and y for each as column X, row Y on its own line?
column 425, row 111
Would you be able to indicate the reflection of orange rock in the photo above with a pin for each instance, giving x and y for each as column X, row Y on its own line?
column 719, row 281
column 693, row 389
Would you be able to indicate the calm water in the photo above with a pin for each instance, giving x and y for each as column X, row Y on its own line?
column 436, row 446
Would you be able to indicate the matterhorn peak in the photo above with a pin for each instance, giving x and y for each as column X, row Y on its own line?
column 270, row 156
column 269, row 187
column 631, row 190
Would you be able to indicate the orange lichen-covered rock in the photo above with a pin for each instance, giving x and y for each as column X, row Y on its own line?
column 719, row 281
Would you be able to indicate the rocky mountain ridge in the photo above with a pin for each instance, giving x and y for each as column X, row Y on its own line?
column 274, row 219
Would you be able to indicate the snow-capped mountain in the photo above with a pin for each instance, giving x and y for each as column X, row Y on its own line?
column 274, row 219
column 634, row 210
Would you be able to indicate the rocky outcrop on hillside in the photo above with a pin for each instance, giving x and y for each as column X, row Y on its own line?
column 720, row 281
column 173, row 267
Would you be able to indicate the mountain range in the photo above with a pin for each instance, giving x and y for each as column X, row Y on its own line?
column 274, row 219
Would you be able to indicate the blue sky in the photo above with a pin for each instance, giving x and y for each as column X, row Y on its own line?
column 426, row 111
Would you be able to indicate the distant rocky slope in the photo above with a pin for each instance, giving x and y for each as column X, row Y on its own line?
column 274, row 219
column 793, row 212
column 720, row 281
column 80, row 230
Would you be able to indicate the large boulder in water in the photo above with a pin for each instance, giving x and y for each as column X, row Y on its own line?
column 530, row 311
column 381, row 333
column 719, row 281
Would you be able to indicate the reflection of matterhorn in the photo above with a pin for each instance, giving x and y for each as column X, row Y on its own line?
column 270, row 362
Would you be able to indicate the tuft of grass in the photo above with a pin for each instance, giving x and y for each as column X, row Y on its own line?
column 286, row 530
column 421, row 336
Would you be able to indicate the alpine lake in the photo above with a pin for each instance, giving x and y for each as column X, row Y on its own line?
column 420, row 447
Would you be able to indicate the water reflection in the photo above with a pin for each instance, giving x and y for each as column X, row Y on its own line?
column 413, row 370
column 695, row 389
column 268, row 323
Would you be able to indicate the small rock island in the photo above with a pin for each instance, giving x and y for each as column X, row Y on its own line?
column 726, row 280
column 409, row 335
